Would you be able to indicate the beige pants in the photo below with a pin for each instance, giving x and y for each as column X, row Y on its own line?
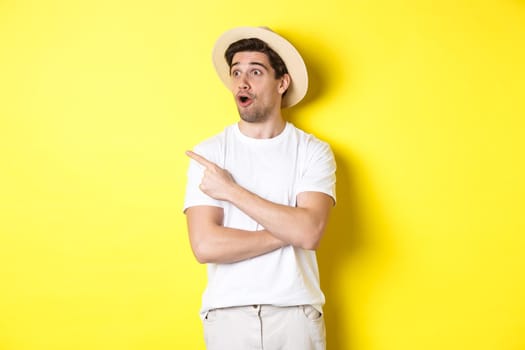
column 265, row 327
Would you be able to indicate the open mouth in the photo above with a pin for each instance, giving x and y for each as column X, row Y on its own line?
column 244, row 100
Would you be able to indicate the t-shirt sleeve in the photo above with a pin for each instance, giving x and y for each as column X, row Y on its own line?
column 319, row 171
column 194, row 196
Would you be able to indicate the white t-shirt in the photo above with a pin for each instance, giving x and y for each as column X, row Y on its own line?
column 276, row 169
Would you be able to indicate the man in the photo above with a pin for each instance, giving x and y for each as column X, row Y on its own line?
column 257, row 202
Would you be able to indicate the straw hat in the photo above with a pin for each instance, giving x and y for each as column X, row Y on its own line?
column 289, row 54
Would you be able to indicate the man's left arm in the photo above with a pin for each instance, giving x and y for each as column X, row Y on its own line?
column 301, row 226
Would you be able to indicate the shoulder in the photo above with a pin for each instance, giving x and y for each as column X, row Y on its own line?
column 311, row 142
column 213, row 140
column 212, row 147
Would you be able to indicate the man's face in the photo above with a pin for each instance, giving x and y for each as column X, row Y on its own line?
column 257, row 93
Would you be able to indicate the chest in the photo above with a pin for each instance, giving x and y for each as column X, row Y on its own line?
column 271, row 172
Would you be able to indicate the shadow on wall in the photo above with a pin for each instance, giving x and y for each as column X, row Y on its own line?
column 342, row 239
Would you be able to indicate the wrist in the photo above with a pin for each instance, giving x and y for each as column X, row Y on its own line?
column 235, row 193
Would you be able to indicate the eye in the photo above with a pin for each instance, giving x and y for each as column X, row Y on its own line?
column 235, row 73
column 256, row 72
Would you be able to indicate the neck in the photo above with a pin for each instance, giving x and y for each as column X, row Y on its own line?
column 263, row 130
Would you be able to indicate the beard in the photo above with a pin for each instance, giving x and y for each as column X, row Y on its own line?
column 257, row 115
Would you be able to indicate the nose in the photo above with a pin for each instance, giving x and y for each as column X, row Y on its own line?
column 243, row 82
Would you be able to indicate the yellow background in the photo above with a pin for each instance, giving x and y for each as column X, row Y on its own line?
column 422, row 101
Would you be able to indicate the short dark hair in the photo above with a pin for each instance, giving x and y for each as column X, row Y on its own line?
column 257, row 45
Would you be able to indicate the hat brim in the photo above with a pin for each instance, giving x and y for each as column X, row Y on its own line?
column 289, row 54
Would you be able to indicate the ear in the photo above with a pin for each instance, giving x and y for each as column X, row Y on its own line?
column 284, row 83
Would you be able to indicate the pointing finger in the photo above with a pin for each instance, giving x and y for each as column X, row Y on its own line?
column 200, row 159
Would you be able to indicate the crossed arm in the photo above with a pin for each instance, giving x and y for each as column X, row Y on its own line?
column 301, row 226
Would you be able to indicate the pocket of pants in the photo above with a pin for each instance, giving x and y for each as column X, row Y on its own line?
column 209, row 327
column 210, row 316
column 312, row 313
column 314, row 324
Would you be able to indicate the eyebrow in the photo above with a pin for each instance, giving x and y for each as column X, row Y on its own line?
column 251, row 64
